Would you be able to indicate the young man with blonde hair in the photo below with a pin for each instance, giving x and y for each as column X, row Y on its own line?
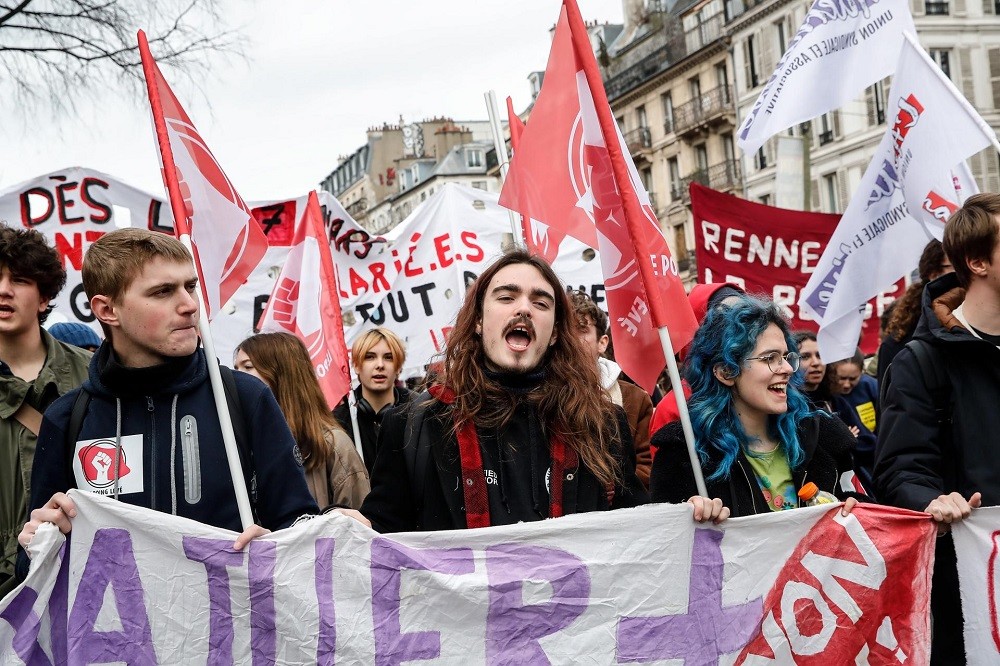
column 35, row 369
column 377, row 356
column 150, row 435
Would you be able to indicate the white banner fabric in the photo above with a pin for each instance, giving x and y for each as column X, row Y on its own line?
column 842, row 47
column 977, row 546
column 632, row 586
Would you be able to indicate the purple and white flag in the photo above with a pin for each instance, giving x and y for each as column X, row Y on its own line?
column 916, row 180
column 842, row 47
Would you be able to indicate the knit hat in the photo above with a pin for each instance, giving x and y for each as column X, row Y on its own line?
column 75, row 333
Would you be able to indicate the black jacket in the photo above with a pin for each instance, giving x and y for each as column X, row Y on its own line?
column 393, row 507
column 917, row 459
column 825, row 440
column 369, row 421
column 172, row 456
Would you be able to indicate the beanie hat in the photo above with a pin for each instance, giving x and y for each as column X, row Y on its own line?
column 75, row 333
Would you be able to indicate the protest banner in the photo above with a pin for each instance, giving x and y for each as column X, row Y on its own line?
column 771, row 252
column 977, row 547
column 72, row 208
column 842, row 47
column 807, row 586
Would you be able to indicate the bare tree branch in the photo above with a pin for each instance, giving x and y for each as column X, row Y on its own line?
column 54, row 52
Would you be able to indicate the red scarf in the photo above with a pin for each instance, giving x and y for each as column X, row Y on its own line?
column 477, row 503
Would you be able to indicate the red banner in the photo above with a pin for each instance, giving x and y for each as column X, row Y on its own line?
column 770, row 252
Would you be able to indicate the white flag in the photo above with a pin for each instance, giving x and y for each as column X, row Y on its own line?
column 917, row 178
column 841, row 48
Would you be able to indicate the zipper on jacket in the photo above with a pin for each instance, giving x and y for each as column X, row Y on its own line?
column 191, row 460
column 152, row 453
column 753, row 491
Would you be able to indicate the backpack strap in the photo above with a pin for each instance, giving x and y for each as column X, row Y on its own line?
column 242, row 436
column 935, row 377
column 73, row 431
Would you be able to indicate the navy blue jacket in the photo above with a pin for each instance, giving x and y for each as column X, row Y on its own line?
column 172, row 457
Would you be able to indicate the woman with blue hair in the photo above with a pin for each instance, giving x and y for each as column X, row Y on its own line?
column 758, row 440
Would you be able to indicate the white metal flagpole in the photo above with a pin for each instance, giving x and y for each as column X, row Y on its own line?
column 682, row 409
column 501, row 148
column 222, row 407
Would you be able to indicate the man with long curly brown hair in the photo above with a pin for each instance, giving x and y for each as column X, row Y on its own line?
column 35, row 369
column 520, row 429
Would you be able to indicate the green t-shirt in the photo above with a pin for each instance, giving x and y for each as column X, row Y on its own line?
column 775, row 479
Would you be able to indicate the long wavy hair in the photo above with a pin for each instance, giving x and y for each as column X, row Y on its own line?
column 570, row 401
column 283, row 362
column 907, row 311
column 725, row 339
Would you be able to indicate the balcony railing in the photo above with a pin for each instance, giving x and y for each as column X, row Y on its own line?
column 936, row 8
column 639, row 73
column 638, row 139
column 706, row 33
column 678, row 191
column 359, row 207
column 825, row 137
column 722, row 176
column 652, row 201
column 668, row 124
column 703, row 108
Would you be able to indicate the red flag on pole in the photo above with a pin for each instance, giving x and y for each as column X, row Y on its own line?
column 572, row 172
column 228, row 244
column 539, row 238
column 304, row 302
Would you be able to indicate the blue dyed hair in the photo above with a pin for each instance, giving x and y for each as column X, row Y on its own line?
column 726, row 338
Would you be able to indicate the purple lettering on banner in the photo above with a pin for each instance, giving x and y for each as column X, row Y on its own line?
column 707, row 631
column 388, row 559
column 263, row 641
column 513, row 628
column 110, row 563
column 216, row 555
column 59, row 605
column 326, row 644
column 19, row 615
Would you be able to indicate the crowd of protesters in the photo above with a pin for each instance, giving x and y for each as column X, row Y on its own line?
column 524, row 419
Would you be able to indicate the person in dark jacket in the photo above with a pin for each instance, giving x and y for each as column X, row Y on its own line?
column 377, row 356
column 520, row 430
column 937, row 447
column 150, row 435
column 755, row 435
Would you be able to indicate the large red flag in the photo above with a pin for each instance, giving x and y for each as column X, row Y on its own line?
column 304, row 302
column 572, row 171
column 539, row 238
column 228, row 244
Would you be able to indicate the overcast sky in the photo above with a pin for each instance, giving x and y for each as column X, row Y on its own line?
column 319, row 73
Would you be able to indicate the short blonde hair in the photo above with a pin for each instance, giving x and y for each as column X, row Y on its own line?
column 367, row 340
column 117, row 258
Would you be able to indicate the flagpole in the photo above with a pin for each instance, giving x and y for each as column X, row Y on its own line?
column 183, row 231
column 963, row 102
column 501, row 149
column 630, row 207
column 682, row 410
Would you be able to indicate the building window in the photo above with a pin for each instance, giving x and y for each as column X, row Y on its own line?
column 936, row 7
column 878, row 94
column 752, row 62
column 474, row 158
column 830, row 185
column 760, row 158
column 423, row 196
column 640, row 116
column 943, row 59
column 765, row 199
column 825, row 129
column 779, row 27
column 480, row 184
column 728, row 148
column 673, row 169
column 701, row 157
column 668, row 111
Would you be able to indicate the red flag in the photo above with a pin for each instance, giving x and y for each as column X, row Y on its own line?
column 227, row 243
column 304, row 302
column 539, row 238
column 571, row 171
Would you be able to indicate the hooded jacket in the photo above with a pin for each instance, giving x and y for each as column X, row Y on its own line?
column 65, row 368
column 369, row 421
column 514, row 481
column 825, row 441
column 917, row 459
column 162, row 426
